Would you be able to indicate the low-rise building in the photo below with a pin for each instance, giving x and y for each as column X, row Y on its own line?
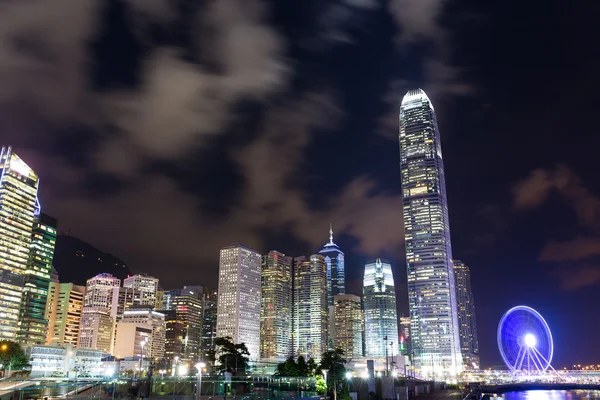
column 63, row 360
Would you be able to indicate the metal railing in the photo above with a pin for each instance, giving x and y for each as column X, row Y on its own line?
column 179, row 388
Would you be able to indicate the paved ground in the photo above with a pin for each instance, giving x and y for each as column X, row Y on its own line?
column 440, row 395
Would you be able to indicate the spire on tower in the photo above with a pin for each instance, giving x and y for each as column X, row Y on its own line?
column 330, row 233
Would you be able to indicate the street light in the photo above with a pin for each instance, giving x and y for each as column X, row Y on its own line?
column 199, row 367
column 325, row 371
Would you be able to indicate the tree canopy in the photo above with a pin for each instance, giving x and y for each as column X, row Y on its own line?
column 12, row 355
column 229, row 354
column 296, row 368
column 333, row 361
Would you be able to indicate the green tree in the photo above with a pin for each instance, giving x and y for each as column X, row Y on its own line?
column 11, row 355
column 229, row 354
column 333, row 361
column 312, row 367
column 287, row 368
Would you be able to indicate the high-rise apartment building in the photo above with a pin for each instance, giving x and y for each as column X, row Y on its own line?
column 99, row 292
column 97, row 326
column 188, row 305
column 144, row 288
column 381, row 317
column 174, row 334
column 63, row 313
column 96, row 331
column 32, row 326
column 431, row 291
column 349, row 325
column 311, row 307
column 238, row 307
column 276, row 306
column 209, row 322
column 405, row 348
column 336, row 273
column 18, row 205
column 153, row 320
column 469, row 343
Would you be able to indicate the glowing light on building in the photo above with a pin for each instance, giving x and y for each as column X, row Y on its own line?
column 432, row 299
column 381, row 317
column 336, row 272
column 465, row 304
column 238, row 307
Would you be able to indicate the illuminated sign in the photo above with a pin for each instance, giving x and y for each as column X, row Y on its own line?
column 17, row 165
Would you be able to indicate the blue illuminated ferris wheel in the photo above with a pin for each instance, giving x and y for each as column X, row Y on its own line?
column 525, row 341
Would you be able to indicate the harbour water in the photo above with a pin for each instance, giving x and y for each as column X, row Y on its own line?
column 550, row 395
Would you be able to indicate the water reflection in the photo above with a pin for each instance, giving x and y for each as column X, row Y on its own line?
column 551, row 395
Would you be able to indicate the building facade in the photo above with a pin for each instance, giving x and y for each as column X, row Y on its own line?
column 431, row 289
column 349, row 325
column 209, row 322
column 33, row 325
column 336, row 272
column 174, row 334
column 63, row 313
column 18, row 208
column 64, row 360
column 276, row 306
column 238, row 307
column 156, row 322
column 132, row 340
column 144, row 288
column 96, row 331
column 189, row 307
column 381, row 317
column 311, row 307
column 469, row 343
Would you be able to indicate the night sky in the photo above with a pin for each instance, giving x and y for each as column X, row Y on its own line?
column 163, row 130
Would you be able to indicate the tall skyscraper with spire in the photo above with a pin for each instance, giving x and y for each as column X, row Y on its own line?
column 336, row 275
column 431, row 288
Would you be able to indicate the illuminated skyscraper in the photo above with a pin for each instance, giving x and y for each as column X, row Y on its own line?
column 431, row 292
column 469, row 343
column 238, row 307
column 18, row 205
column 349, row 325
column 33, row 325
column 311, row 310
column 381, row 317
column 276, row 306
column 209, row 321
column 145, row 288
column 63, row 312
column 97, row 326
column 336, row 274
column 153, row 320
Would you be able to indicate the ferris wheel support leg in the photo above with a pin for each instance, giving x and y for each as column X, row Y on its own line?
column 536, row 361
column 519, row 363
column 546, row 361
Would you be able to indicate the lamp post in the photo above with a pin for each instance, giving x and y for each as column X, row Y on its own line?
column 199, row 367
column 143, row 343
column 325, row 371
column 175, row 374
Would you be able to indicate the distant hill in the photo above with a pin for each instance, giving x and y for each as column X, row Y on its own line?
column 76, row 261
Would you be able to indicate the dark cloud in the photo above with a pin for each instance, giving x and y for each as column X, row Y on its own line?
column 579, row 248
column 573, row 279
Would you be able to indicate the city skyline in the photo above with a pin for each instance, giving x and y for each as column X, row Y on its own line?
column 286, row 120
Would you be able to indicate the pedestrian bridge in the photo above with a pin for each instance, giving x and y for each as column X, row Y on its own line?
column 505, row 377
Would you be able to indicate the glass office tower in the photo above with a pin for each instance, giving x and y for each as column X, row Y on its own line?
column 336, row 274
column 381, row 317
column 431, row 291
column 469, row 344
column 18, row 200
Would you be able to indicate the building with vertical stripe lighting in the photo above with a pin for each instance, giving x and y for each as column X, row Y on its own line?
column 469, row 343
column 431, row 292
column 18, row 205
column 238, row 307
column 276, row 306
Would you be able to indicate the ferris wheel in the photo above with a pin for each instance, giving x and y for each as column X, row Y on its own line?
column 525, row 341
